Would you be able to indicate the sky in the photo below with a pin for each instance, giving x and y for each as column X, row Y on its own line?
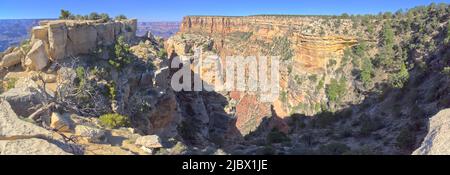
column 174, row 10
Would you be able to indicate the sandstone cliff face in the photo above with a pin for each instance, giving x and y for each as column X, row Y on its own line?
column 309, row 49
column 65, row 38
column 437, row 140
column 58, row 39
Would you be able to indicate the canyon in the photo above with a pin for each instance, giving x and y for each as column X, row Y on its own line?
column 366, row 84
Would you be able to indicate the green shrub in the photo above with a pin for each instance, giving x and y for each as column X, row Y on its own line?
column 113, row 121
column 406, row 139
column 65, row 14
column 367, row 72
column 281, row 46
column 447, row 36
column 399, row 79
column 268, row 150
column 162, row 54
column 446, row 71
column 324, row 119
column 335, row 90
column 313, row 78
column 284, row 96
column 94, row 16
column 275, row 136
column 365, row 150
column 334, row 149
column 120, row 17
column 10, row 83
column 122, row 54
column 369, row 125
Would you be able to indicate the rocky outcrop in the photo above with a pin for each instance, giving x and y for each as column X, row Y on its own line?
column 305, row 69
column 12, row 127
column 65, row 38
column 37, row 58
column 26, row 97
column 58, row 39
column 437, row 141
column 60, row 122
column 12, row 58
column 92, row 134
column 149, row 141
column 32, row 146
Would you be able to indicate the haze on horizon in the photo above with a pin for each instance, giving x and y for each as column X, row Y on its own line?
column 174, row 10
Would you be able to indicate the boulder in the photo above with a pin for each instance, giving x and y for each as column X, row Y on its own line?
column 437, row 141
column 149, row 141
column 49, row 78
column 37, row 58
column 39, row 33
column 25, row 97
column 12, row 58
column 92, row 134
column 12, row 127
column 32, row 146
column 60, row 122
column 57, row 39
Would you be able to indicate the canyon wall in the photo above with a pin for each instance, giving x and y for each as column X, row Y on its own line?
column 65, row 38
column 311, row 49
column 58, row 39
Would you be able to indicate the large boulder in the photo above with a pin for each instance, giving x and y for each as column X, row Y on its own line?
column 39, row 33
column 60, row 122
column 26, row 97
column 437, row 141
column 32, row 146
column 37, row 58
column 57, row 39
column 12, row 127
column 92, row 134
column 12, row 58
column 149, row 141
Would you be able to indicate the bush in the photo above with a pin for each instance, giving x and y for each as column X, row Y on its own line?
column 447, row 36
column 406, row 139
column 10, row 83
column 275, row 136
column 324, row 119
column 113, row 120
column 94, row 16
column 122, row 54
column 399, row 79
column 335, row 90
column 162, row 54
column 281, row 46
column 367, row 72
column 369, row 125
column 446, row 71
column 120, row 17
column 334, row 149
column 65, row 14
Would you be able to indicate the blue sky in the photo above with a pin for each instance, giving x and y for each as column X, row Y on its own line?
column 174, row 10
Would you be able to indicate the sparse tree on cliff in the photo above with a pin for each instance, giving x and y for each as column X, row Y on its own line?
column 65, row 14
column 94, row 16
column 120, row 17
column 105, row 17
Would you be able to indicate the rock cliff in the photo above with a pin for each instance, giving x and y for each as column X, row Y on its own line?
column 305, row 42
column 57, row 39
